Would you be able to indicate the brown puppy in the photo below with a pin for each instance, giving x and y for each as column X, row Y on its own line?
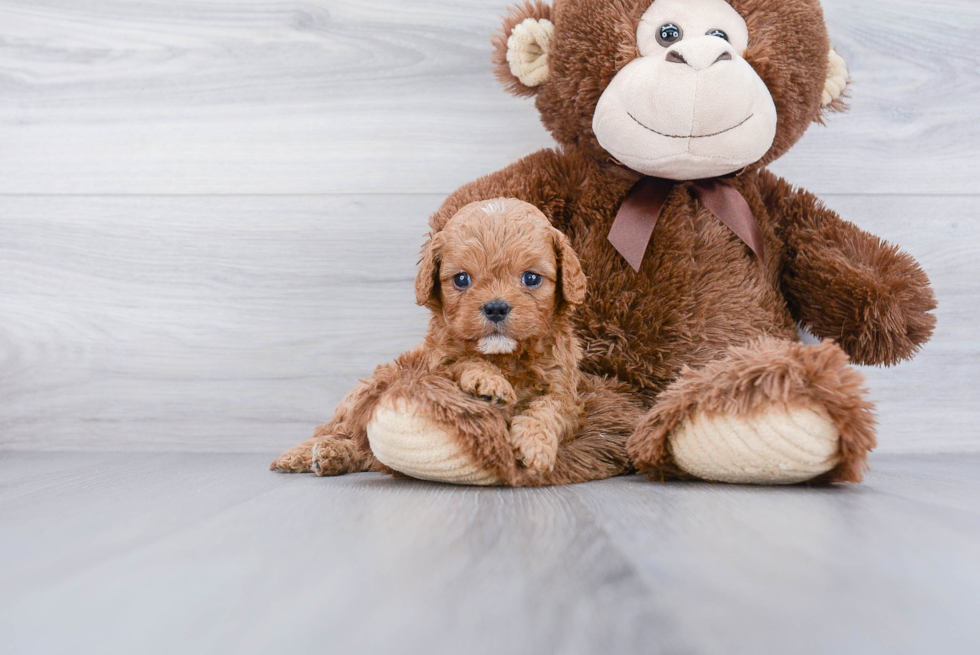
column 501, row 283
column 500, row 325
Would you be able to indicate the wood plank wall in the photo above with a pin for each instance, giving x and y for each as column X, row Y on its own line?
column 210, row 210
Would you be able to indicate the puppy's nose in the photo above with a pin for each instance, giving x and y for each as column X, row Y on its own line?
column 496, row 310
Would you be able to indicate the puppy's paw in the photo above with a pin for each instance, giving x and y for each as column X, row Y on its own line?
column 534, row 446
column 335, row 457
column 330, row 456
column 494, row 388
column 297, row 459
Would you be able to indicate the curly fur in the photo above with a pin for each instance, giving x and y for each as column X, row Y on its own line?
column 541, row 393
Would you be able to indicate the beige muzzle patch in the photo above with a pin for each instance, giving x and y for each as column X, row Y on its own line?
column 527, row 50
column 836, row 78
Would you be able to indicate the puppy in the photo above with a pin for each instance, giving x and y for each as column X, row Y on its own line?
column 501, row 284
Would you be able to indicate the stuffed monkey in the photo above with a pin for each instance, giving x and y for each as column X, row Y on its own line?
column 701, row 263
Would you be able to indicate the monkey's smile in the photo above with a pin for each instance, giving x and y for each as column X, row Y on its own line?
column 689, row 136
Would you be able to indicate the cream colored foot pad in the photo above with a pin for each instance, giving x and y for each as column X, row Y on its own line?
column 409, row 444
column 777, row 446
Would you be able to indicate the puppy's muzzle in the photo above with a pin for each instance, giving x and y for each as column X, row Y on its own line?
column 496, row 310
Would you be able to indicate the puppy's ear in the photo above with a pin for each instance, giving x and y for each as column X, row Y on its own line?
column 427, row 291
column 521, row 47
column 571, row 279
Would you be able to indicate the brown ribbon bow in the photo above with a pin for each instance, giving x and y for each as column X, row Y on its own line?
column 631, row 231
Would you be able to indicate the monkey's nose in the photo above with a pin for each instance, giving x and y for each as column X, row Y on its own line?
column 700, row 53
column 496, row 310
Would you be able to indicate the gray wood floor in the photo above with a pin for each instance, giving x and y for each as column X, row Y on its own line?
column 210, row 212
column 202, row 553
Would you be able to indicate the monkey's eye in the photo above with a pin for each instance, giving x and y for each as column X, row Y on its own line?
column 668, row 34
column 718, row 33
column 531, row 280
column 462, row 280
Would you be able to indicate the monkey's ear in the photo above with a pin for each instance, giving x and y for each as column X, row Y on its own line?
column 571, row 278
column 520, row 48
column 427, row 287
column 837, row 77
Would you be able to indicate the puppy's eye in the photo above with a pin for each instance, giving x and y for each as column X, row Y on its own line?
column 718, row 33
column 668, row 34
column 531, row 280
column 462, row 280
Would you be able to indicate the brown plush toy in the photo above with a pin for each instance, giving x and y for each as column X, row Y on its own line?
column 700, row 262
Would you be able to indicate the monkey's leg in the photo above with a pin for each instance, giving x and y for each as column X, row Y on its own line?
column 774, row 412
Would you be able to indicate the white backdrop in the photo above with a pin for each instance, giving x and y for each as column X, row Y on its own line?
column 210, row 210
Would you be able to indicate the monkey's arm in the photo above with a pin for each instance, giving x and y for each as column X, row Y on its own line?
column 848, row 285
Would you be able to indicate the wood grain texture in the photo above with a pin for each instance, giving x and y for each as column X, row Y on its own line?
column 181, row 323
column 210, row 212
column 198, row 322
column 111, row 553
column 335, row 96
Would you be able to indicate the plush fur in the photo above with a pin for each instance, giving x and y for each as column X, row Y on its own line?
column 530, row 9
column 756, row 377
column 700, row 292
column 595, row 39
column 537, row 384
column 703, row 326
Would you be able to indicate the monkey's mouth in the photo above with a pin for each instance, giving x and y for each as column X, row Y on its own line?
column 689, row 136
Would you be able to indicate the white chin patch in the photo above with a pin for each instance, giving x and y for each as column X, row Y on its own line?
column 496, row 344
